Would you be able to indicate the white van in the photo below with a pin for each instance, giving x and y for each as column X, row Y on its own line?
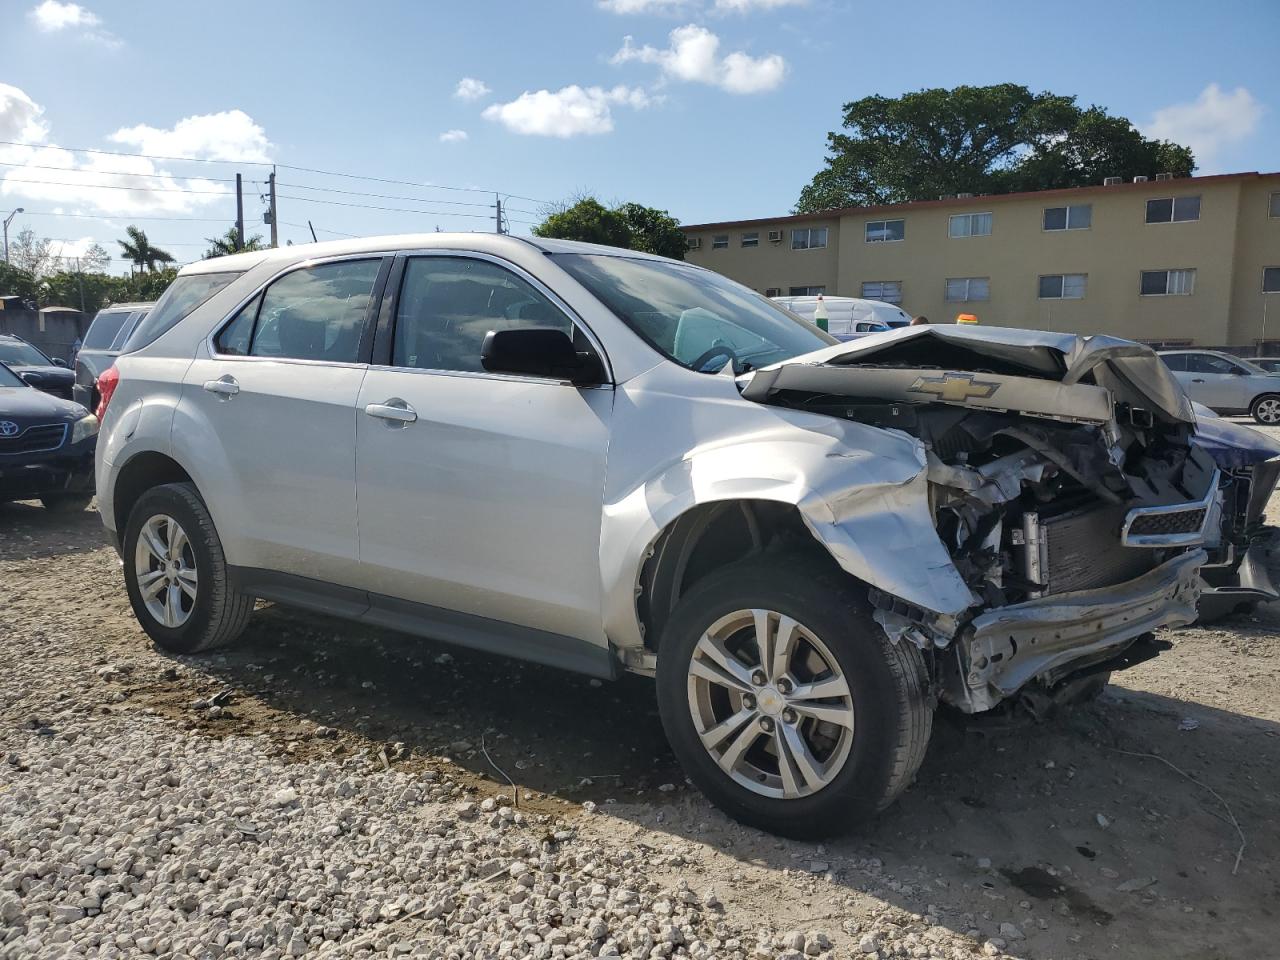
column 849, row 317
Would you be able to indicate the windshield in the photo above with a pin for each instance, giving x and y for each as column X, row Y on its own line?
column 10, row 379
column 179, row 300
column 18, row 354
column 697, row 318
column 106, row 325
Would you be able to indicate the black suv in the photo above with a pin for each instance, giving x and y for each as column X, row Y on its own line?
column 36, row 367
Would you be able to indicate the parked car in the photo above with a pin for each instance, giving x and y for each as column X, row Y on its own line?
column 103, row 341
column 849, row 318
column 1269, row 364
column 1236, row 576
column 608, row 462
column 1227, row 385
column 34, row 366
column 46, row 446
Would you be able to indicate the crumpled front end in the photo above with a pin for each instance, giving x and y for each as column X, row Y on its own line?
column 1063, row 482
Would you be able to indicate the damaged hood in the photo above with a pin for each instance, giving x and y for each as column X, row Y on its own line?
column 1028, row 371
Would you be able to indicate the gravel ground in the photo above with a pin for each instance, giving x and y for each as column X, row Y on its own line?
column 331, row 791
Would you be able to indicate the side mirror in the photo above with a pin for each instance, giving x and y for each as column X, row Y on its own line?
column 539, row 352
column 29, row 377
column 59, row 362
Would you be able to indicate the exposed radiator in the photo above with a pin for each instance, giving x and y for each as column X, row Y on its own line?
column 1080, row 549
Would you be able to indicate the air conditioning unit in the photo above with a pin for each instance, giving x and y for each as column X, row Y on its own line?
column 775, row 236
column 1164, row 176
column 946, row 196
column 695, row 243
column 1112, row 181
column 964, row 196
column 1141, row 179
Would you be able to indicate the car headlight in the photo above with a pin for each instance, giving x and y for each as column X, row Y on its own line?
column 84, row 428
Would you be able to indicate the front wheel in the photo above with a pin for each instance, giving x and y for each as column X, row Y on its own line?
column 784, row 700
column 1266, row 410
column 176, row 573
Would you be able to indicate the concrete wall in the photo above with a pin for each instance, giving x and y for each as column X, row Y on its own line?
column 53, row 331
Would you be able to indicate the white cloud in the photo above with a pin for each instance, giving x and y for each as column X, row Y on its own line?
column 625, row 7
column 747, row 6
column 20, row 117
column 694, row 57
column 453, row 136
column 1214, row 120
column 469, row 88
column 54, row 17
column 568, row 112
column 229, row 135
column 668, row 7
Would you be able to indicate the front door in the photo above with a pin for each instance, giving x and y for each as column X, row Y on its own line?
column 279, row 393
column 478, row 492
column 1214, row 381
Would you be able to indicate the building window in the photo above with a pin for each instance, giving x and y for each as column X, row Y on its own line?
column 1076, row 217
column 808, row 291
column 1062, row 286
column 888, row 291
column 693, row 243
column 720, row 242
column 968, row 288
column 969, row 225
column 809, row 238
column 773, row 292
column 1173, row 209
column 751, row 239
column 1275, row 205
column 1168, row 283
column 1271, row 279
column 883, row 231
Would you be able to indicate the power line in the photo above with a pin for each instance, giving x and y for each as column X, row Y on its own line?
column 113, row 186
column 367, row 206
column 99, row 216
column 385, row 196
column 123, row 153
column 108, row 173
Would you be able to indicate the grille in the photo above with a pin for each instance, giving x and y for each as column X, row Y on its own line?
column 1080, row 549
column 1155, row 524
column 34, row 439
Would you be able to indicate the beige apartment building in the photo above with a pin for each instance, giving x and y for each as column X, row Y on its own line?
column 1173, row 261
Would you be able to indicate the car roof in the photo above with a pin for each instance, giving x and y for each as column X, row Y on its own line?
column 488, row 242
column 113, row 307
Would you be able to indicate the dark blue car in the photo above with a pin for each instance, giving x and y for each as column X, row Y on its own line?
column 46, row 446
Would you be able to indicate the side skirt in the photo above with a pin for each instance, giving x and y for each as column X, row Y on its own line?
column 434, row 623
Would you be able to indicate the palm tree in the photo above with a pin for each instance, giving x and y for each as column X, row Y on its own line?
column 225, row 245
column 140, row 251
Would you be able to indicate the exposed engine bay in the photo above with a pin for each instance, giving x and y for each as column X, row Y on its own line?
column 1064, row 482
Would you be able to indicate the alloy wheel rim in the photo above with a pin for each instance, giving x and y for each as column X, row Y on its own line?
column 165, row 569
column 1269, row 410
column 770, row 704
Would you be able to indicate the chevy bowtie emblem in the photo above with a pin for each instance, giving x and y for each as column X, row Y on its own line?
column 955, row 386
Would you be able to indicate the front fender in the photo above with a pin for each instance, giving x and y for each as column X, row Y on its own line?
column 862, row 491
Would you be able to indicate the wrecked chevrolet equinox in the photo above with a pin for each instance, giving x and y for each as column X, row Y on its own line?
column 607, row 461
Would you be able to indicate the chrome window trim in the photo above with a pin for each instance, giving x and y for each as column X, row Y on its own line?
column 557, row 301
column 211, row 347
column 1210, row 503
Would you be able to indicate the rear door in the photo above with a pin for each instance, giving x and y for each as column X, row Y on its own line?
column 479, row 492
column 277, row 394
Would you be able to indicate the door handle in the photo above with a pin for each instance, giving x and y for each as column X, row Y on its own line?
column 1197, row 381
column 394, row 409
column 225, row 387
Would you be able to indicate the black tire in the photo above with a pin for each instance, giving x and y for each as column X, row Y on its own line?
column 218, row 614
column 1264, row 409
column 887, row 681
column 66, row 502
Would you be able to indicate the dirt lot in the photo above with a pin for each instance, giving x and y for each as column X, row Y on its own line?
column 1110, row 832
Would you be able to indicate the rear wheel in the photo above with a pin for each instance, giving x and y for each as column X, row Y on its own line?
column 66, row 502
column 1266, row 409
column 176, row 573
column 785, row 701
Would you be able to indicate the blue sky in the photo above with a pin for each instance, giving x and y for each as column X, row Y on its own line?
column 714, row 109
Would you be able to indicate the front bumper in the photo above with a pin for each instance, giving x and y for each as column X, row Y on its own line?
column 69, row 469
column 1050, row 637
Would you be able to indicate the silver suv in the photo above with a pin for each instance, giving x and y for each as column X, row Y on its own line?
column 609, row 462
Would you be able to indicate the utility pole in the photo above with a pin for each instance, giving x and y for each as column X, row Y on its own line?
column 271, row 181
column 239, row 216
column 309, row 227
column 497, row 217
column 80, row 278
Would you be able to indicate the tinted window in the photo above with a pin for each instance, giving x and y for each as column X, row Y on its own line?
column 316, row 313
column 104, row 329
column 1175, row 361
column 448, row 304
column 10, row 379
column 178, row 301
column 1208, row 363
column 236, row 336
column 19, row 354
column 683, row 312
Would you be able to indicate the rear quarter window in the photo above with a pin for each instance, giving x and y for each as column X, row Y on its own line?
column 182, row 297
column 105, row 328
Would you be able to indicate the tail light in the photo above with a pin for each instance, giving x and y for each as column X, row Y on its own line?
column 108, row 380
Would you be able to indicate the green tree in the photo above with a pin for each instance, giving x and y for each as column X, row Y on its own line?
column 654, row 231
column 16, row 282
column 139, row 251
column 147, row 285
column 225, row 245
column 84, row 290
column 632, row 226
column 32, row 254
column 994, row 139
